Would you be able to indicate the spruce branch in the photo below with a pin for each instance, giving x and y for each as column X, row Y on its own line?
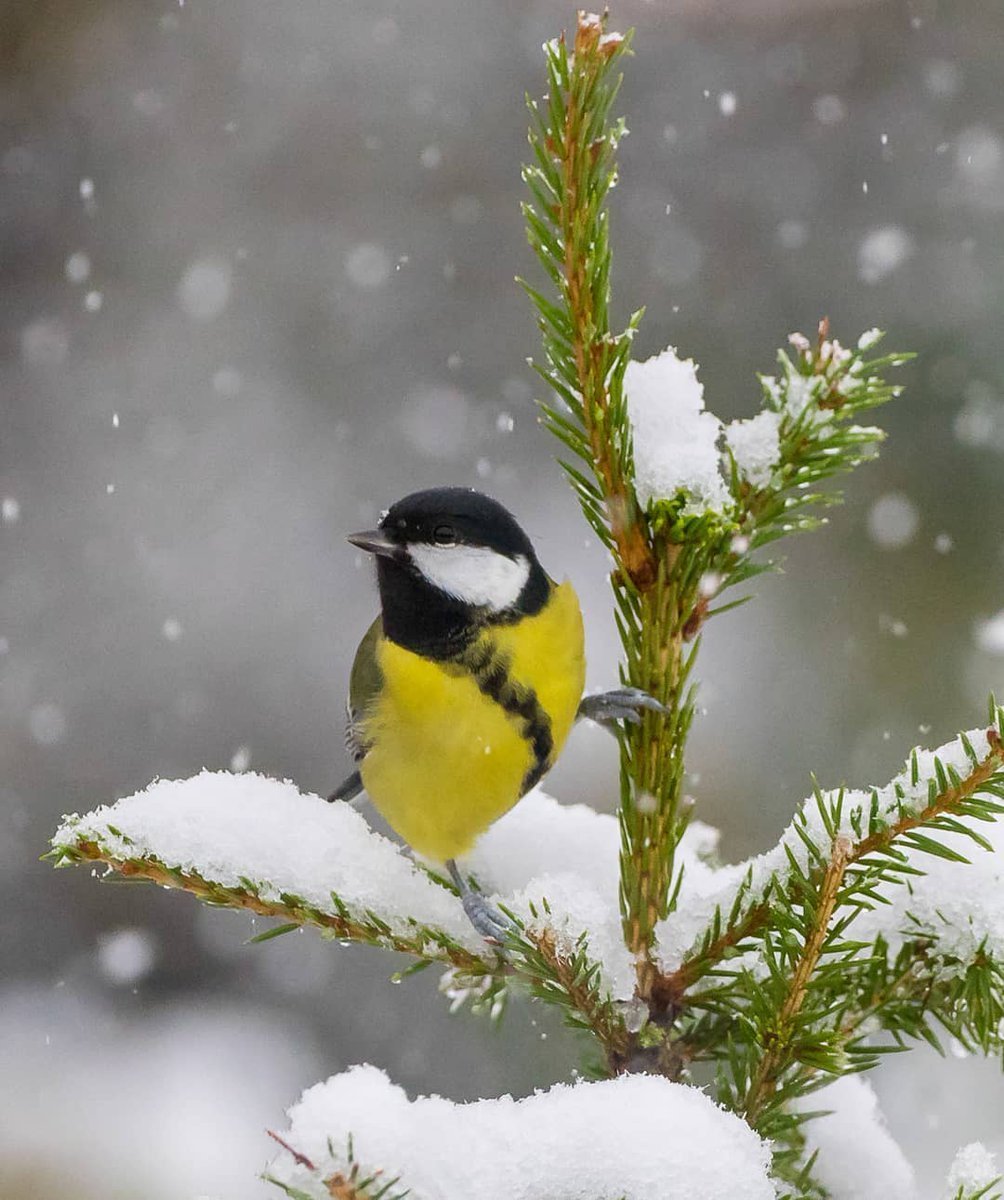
column 571, row 981
column 890, row 819
column 820, row 391
column 425, row 943
column 669, row 563
column 574, row 142
column 798, row 992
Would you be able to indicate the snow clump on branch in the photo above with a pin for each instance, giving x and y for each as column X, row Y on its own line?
column 675, row 439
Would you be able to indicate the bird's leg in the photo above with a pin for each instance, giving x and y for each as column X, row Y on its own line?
column 349, row 790
column 488, row 921
column 620, row 704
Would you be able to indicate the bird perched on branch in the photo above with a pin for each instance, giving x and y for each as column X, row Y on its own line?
column 466, row 686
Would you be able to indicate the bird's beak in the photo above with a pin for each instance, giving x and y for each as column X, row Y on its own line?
column 373, row 541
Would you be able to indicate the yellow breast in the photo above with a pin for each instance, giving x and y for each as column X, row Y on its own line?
column 451, row 750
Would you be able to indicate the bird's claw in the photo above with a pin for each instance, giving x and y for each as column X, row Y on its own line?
column 493, row 926
column 620, row 704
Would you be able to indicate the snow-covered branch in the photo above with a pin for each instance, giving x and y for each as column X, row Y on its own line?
column 246, row 841
column 962, row 779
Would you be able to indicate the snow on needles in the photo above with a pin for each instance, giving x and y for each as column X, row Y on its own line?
column 569, row 855
column 973, row 1170
column 756, row 446
column 629, row 1138
column 231, row 828
column 960, row 906
column 675, row 439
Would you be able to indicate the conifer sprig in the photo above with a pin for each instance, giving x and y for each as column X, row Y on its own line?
column 352, row 1183
column 669, row 565
column 800, row 1001
column 574, row 142
column 425, row 943
column 571, row 980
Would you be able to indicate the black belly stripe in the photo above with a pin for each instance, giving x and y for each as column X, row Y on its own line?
column 491, row 673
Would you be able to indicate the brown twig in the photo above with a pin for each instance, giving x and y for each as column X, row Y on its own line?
column 590, row 342
column 598, row 1014
column 775, row 1052
column 301, row 1159
column 679, row 982
column 288, row 909
column 941, row 804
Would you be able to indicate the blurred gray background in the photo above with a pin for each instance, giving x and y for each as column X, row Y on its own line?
column 258, row 267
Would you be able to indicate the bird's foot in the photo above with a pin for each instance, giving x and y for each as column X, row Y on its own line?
column 493, row 925
column 620, row 704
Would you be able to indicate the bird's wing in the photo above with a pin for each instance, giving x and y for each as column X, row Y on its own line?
column 365, row 682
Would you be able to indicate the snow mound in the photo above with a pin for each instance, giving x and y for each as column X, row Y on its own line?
column 629, row 1138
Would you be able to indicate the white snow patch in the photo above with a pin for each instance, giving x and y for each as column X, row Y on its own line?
column 882, row 251
column 204, row 290
column 368, row 265
column 892, row 521
column 801, row 392
column 675, row 439
column 126, row 956
column 78, row 267
column 990, row 634
column 857, row 1157
column 973, row 1169
column 569, row 855
column 229, row 827
column 634, row 1137
column 756, row 446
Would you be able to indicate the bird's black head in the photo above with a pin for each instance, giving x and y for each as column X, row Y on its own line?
column 450, row 560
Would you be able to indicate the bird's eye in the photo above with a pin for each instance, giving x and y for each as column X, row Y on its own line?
column 444, row 535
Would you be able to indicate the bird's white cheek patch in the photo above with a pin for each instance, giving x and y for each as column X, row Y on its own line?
column 473, row 574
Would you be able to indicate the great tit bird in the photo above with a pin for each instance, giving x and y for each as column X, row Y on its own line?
column 467, row 684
